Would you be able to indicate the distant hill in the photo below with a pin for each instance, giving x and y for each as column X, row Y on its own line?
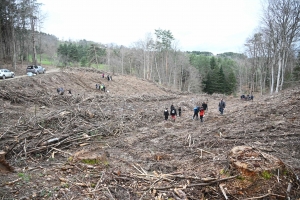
column 232, row 55
column 205, row 53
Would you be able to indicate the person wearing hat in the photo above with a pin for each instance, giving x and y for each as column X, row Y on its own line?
column 222, row 106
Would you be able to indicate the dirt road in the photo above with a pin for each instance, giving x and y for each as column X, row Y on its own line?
column 53, row 70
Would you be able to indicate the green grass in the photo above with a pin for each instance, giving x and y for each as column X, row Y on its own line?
column 101, row 66
column 25, row 177
column 46, row 62
column 266, row 175
column 90, row 161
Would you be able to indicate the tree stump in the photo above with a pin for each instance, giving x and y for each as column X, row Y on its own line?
column 251, row 162
column 2, row 155
column 4, row 166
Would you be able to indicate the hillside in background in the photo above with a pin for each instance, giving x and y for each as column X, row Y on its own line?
column 117, row 145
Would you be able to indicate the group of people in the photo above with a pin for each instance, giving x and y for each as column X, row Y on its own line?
column 247, row 98
column 200, row 110
column 197, row 110
column 173, row 112
column 61, row 91
column 109, row 77
column 100, row 87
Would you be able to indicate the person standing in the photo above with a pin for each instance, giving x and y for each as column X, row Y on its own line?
column 172, row 107
column 179, row 111
column 201, row 113
column 103, row 75
column 60, row 91
column 205, row 106
column 173, row 113
column 222, row 106
column 196, row 111
column 166, row 114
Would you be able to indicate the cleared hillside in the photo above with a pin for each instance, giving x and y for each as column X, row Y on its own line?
column 116, row 145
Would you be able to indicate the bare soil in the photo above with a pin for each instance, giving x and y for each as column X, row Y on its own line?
column 117, row 145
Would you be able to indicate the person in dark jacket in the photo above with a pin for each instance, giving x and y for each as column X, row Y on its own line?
column 222, row 106
column 172, row 107
column 204, row 106
column 166, row 114
column 179, row 111
column 173, row 113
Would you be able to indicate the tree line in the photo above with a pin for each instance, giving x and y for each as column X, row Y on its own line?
column 270, row 63
column 272, row 52
column 21, row 38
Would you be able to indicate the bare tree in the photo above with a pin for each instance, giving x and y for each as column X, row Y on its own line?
column 281, row 22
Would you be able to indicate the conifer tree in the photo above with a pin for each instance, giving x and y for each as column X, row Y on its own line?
column 231, row 83
column 221, row 82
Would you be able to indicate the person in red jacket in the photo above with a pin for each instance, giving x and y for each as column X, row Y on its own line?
column 173, row 113
column 201, row 114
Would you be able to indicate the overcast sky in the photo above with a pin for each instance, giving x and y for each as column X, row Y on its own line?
column 216, row 26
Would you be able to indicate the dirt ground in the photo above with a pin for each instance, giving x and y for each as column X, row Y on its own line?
column 117, row 145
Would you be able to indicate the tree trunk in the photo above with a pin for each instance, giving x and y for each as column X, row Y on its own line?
column 95, row 53
column 279, row 72
column 144, row 63
column 122, row 61
column 130, row 66
column 151, row 65
column 159, row 79
column 272, row 76
column 34, row 60
column 13, row 45
column 283, row 68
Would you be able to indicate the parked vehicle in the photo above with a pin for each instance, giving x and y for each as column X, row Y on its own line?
column 35, row 69
column 5, row 73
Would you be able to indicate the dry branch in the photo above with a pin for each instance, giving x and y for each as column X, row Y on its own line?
column 196, row 184
column 266, row 195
